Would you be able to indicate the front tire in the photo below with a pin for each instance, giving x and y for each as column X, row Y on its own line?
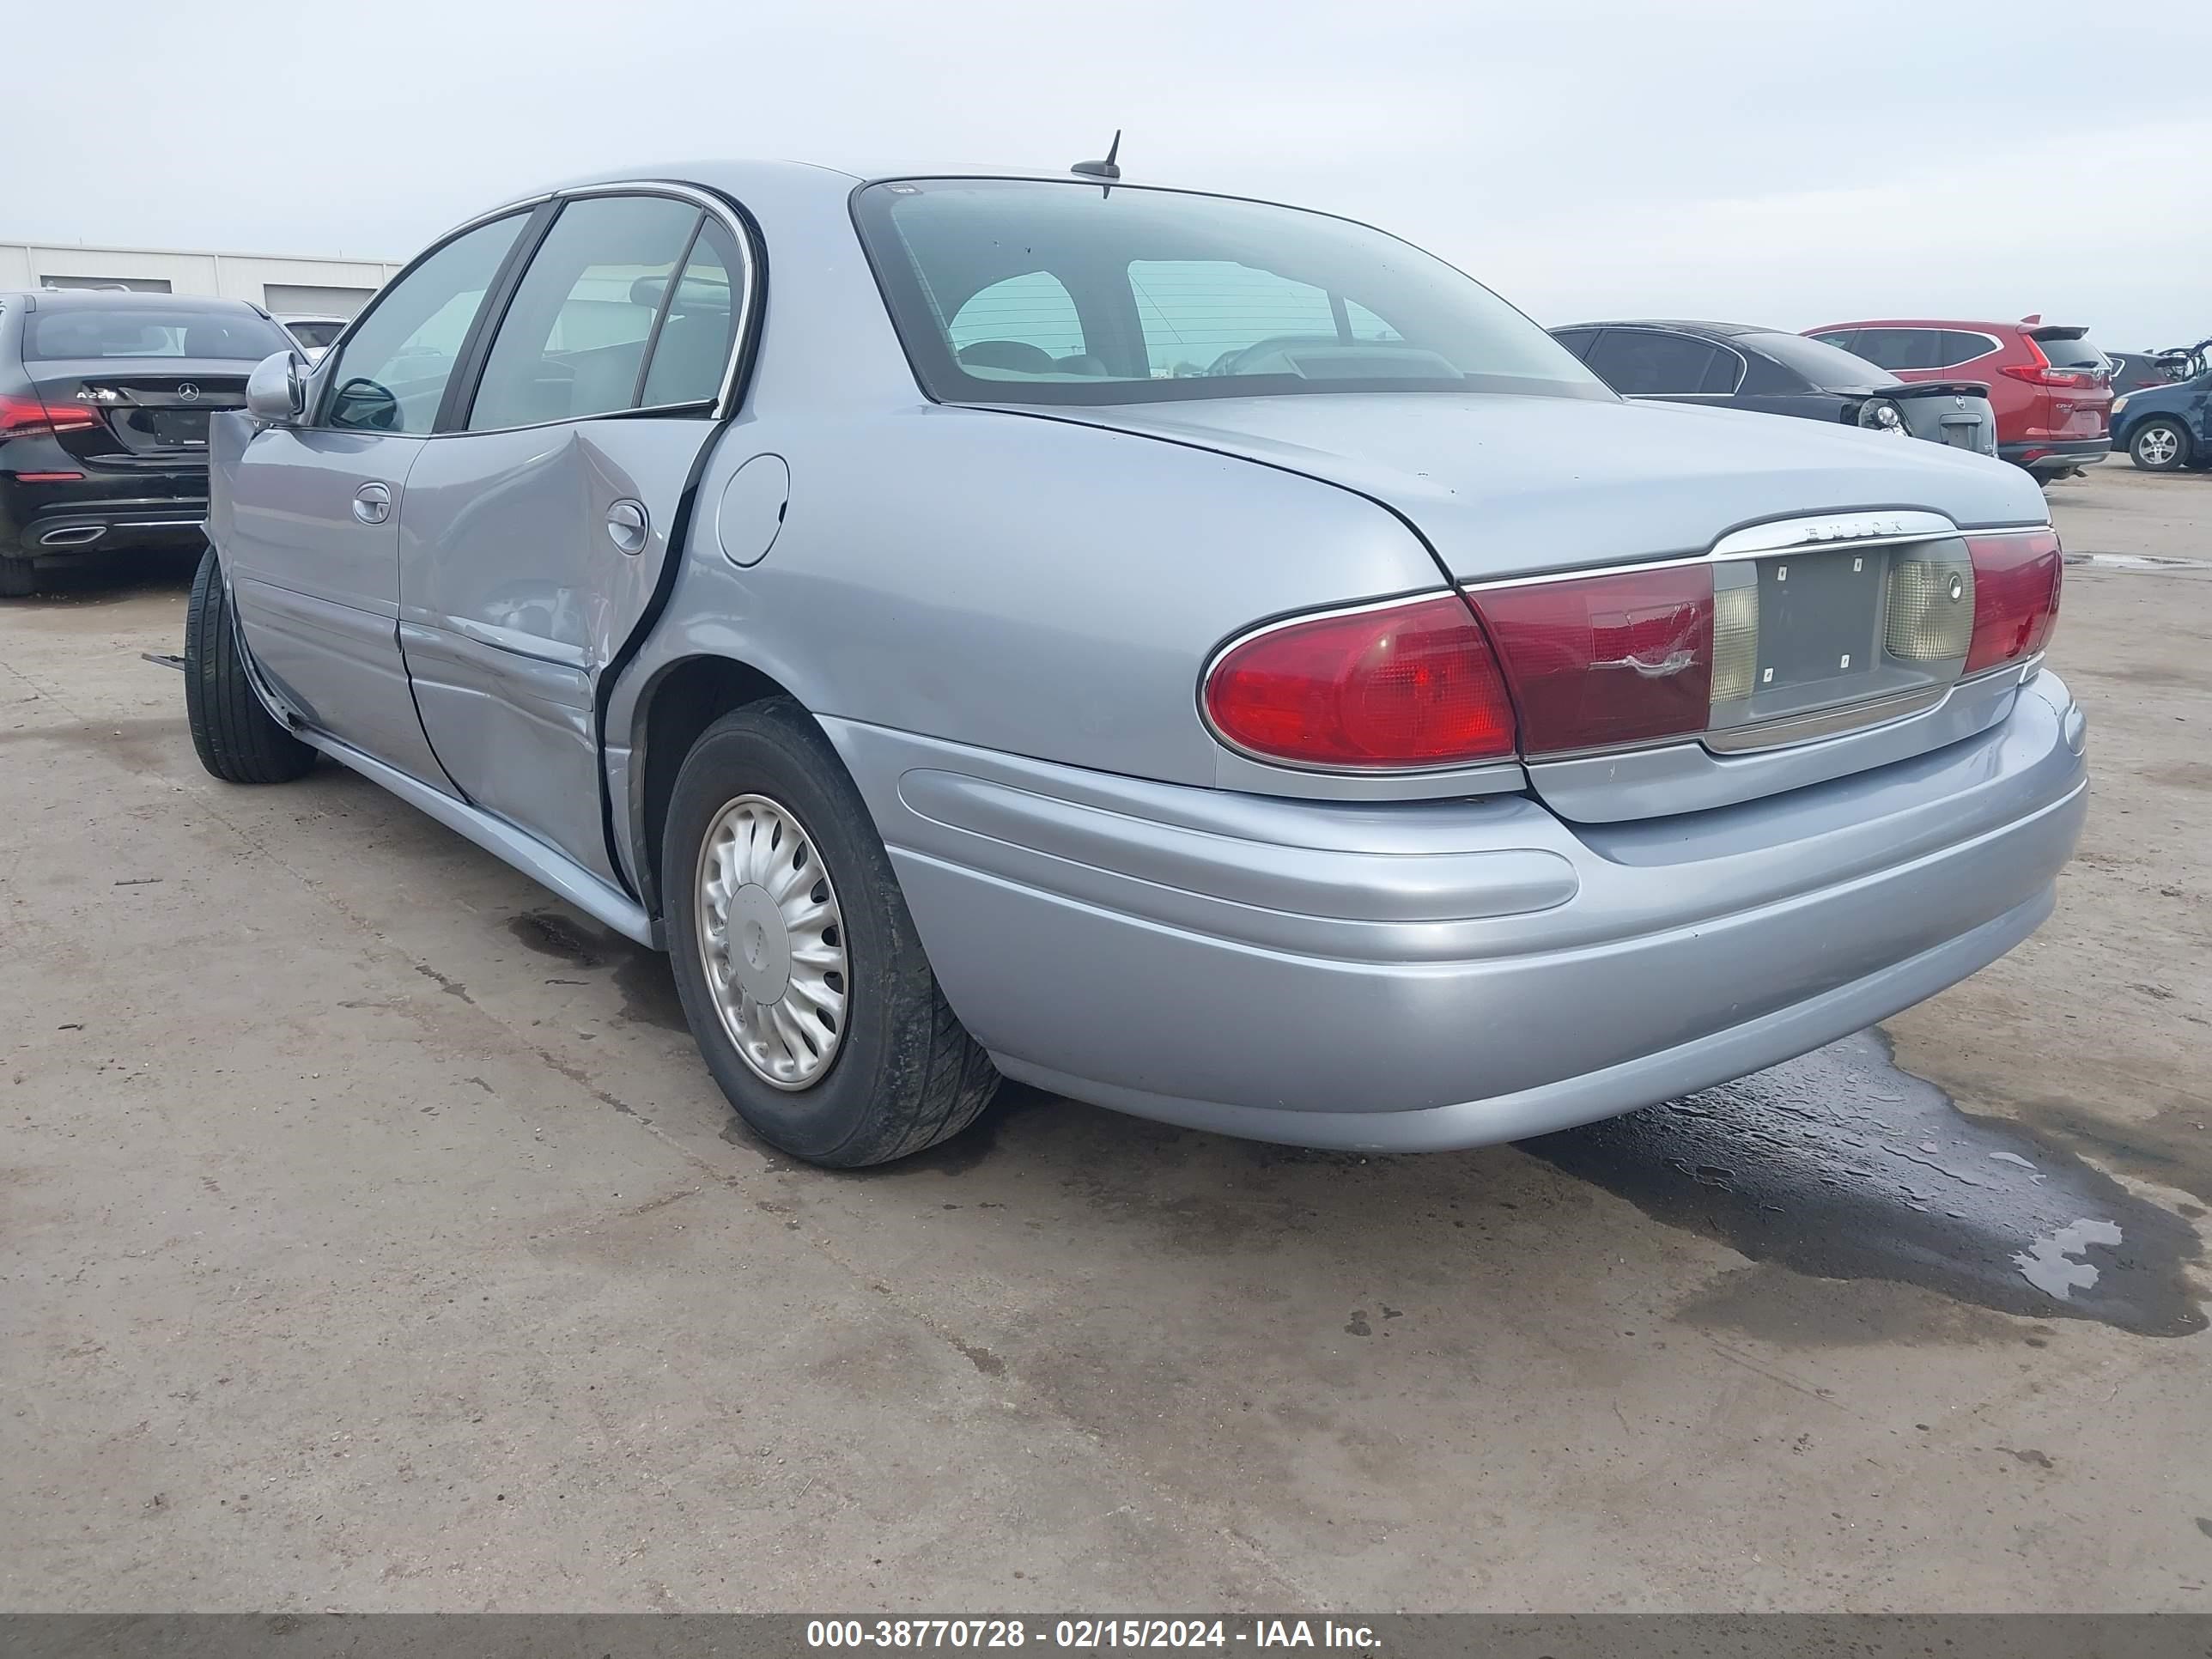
column 802, row 977
column 237, row 740
column 2160, row 446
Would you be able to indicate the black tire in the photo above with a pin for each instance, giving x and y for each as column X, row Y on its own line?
column 2168, row 438
column 904, row 1073
column 237, row 738
column 19, row 579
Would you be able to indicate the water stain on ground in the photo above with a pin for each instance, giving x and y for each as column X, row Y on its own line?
column 552, row 934
column 642, row 977
column 2187, row 774
column 1841, row 1166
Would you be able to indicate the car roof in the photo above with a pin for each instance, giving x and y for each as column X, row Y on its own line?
column 1940, row 322
column 738, row 176
column 1681, row 326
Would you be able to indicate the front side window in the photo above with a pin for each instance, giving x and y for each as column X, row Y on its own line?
column 87, row 332
column 391, row 375
column 573, row 339
column 1036, row 291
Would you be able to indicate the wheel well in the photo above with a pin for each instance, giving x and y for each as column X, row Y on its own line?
column 682, row 703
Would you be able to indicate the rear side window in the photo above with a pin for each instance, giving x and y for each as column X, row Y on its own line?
column 1646, row 363
column 1954, row 346
column 573, row 341
column 1841, row 339
column 81, row 331
column 691, row 353
column 1577, row 340
column 1819, row 362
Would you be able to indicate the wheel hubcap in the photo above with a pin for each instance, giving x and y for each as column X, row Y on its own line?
column 2158, row 445
column 772, row 940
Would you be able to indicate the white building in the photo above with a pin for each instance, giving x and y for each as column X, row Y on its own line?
column 287, row 287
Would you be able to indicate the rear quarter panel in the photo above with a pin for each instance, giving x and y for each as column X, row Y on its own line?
column 1022, row 585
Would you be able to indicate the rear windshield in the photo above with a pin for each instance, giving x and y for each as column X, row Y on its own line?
column 1822, row 364
column 2067, row 348
column 1032, row 291
column 101, row 331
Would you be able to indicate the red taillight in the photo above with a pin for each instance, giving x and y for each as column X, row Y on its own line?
column 1606, row 659
column 2016, row 581
column 27, row 417
column 2044, row 375
column 2040, row 373
column 1408, row 684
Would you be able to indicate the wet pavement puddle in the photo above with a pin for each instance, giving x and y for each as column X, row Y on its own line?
column 1839, row 1165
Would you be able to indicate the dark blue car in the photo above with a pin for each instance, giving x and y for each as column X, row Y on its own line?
column 2163, row 428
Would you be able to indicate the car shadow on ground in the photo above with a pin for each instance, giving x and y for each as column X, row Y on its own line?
column 114, row 578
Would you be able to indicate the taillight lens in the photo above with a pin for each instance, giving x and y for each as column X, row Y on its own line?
column 1396, row 686
column 1608, row 659
column 2016, row 582
column 27, row 417
column 2044, row 375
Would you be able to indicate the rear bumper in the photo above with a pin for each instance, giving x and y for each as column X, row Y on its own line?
column 2056, row 454
column 99, row 512
column 1424, row 975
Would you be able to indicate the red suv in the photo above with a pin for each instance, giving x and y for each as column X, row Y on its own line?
column 2051, row 389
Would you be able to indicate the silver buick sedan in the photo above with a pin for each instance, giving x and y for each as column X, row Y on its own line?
column 1196, row 655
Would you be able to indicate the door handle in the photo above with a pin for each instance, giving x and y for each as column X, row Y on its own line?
column 626, row 524
column 372, row 503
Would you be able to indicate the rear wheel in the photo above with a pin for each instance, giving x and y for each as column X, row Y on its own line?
column 2160, row 446
column 19, row 579
column 802, row 976
column 237, row 740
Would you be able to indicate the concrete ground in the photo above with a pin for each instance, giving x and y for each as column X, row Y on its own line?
column 373, row 1239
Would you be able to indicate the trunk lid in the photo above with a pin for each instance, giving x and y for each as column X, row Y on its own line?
column 153, row 410
column 1502, row 485
column 1504, row 488
column 1953, row 412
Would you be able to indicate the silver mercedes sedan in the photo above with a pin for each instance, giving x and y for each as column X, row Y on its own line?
column 1196, row 655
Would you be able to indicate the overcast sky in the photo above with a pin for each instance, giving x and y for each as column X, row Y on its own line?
column 1777, row 163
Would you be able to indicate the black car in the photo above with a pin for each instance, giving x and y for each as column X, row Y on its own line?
column 103, row 405
column 2141, row 371
column 1739, row 366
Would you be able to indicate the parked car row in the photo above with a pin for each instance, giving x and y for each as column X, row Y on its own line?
column 1195, row 655
column 1762, row 369
column 2038, row 396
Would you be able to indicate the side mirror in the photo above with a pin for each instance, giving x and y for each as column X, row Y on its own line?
column 274, row 391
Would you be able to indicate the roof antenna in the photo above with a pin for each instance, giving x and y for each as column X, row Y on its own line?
column 1107, row 169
